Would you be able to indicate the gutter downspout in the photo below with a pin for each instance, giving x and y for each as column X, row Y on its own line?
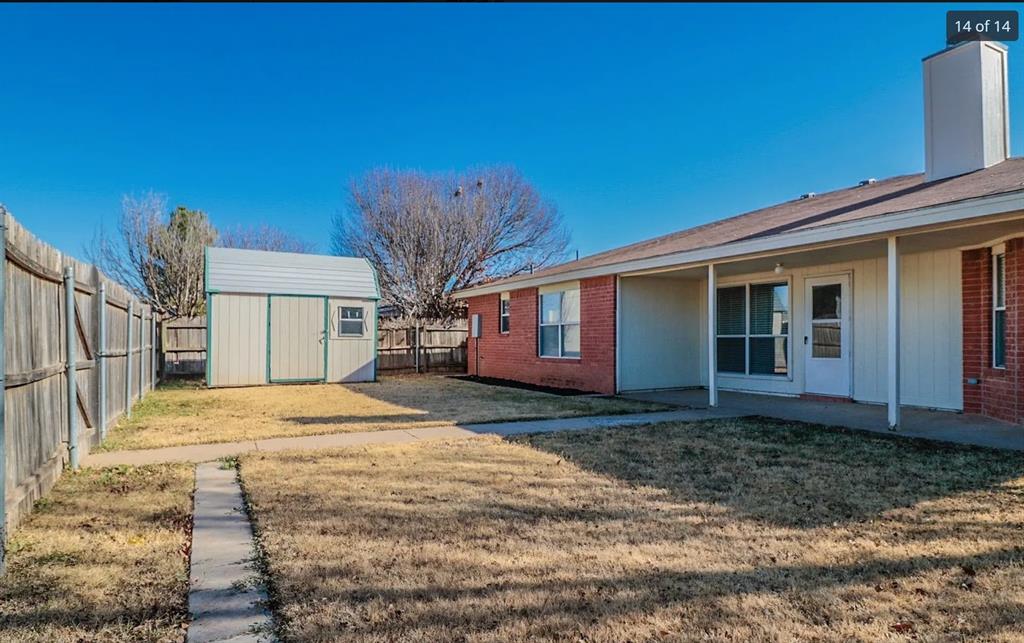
column 71, row 340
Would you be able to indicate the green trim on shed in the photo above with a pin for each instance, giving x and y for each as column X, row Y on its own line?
column 209, row 338
column 327, row 333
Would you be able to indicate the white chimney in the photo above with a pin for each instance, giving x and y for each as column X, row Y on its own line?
column 966, row 109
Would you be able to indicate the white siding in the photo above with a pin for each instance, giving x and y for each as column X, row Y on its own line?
column 351, row 359
column 287, row 273
column 659, row 333
column 930, row 326
column 238, row 334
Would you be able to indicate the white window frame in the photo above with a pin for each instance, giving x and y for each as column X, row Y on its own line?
column 746, row 336
column 504, row 314
column 362, row 321
column 560, row 324
column 998, row 253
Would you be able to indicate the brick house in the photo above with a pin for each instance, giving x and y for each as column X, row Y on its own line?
column 907, row 291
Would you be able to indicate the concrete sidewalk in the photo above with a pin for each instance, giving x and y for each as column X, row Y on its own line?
column 225, row 599
column 209, row 452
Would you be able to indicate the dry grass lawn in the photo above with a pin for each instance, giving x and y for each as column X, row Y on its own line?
column 104, row 557
column 729, row 530
column 184, row 412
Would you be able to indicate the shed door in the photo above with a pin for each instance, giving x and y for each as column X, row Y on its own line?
column 297, row 338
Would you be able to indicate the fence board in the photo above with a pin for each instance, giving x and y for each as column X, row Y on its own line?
column 35, row 409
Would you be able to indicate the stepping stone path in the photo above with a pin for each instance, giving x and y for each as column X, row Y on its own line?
column 226, row 598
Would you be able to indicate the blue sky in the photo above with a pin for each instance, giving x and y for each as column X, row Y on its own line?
column 635, row 120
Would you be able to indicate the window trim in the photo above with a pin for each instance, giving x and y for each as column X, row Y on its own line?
column 362, row 321
column 561, row 324
column 998, row 252
column 504, row 313
column 746, row 336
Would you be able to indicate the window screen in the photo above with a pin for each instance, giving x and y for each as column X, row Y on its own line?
column 350, row 321
column 560, row 324
column 756, row 343
column 999, row 311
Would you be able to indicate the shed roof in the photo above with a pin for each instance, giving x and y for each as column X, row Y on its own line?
column 877, row 199
column 289, row 273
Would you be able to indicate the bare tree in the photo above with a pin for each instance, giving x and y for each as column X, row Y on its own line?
column 158, row 255
column 263, row 237
column 428, row 234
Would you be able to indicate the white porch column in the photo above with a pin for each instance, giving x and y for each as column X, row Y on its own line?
column 893, row 336
column 712, row 344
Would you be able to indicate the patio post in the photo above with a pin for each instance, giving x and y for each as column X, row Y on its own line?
column 712, row 345
column 893, row 344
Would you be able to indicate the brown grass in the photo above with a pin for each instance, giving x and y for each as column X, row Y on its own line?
column 184, row 412
column 104, row 557
column 730, row 530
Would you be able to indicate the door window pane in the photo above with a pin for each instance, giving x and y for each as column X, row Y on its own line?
column 730, row 355
column 551, row 307
column 571, row 340
column 769, row 309
column 731, row 311
column 826, row 340
column 769, row 355
column 549, row 341
column 826, row 301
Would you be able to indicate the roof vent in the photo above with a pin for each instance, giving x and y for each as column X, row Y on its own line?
column 808, row 195
column 867, row 182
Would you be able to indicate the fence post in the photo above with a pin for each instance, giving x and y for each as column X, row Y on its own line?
column 3, row 390
column 152, row 349
column 71, row 340
column 142, row 350
column 416, row 359
column 128, row 364
column 101, row 359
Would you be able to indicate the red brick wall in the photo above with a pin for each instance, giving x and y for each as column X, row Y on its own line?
column 1000, row 392
column 513, row 356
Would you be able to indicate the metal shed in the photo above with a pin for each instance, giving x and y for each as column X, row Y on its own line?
column 280, row 317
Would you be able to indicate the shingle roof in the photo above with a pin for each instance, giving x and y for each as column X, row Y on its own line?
column 888, row 196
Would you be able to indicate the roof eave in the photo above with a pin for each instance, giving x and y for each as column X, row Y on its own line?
column 963, row 210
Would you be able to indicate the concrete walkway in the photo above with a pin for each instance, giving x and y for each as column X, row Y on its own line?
column 944, row 426
column 225, row 598
column 210, row 452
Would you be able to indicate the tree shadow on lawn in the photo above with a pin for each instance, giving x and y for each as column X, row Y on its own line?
column 565, row 608
column 787, row 474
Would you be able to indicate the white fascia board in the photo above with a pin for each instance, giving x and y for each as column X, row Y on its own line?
column 881, row 225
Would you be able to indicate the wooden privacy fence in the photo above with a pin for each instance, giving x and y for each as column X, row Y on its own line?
column 183, row 345
column 440, row 349
column 76, row 349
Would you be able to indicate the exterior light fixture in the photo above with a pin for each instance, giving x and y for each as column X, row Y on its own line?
column 778, row 268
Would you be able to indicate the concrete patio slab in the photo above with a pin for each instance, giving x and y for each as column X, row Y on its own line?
column 225, row 600
column 945, row 426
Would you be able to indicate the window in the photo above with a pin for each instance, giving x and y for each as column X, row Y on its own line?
column 999, row 310
column 752, row 329
column 560, row 323
column 351, row 321
column 503, row 313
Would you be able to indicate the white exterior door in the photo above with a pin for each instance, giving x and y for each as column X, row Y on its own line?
column 827, row 338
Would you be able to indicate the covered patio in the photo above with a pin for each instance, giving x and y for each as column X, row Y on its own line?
column 947, row 426
column 877, row 319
